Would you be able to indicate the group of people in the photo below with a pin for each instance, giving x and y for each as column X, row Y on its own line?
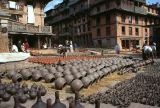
column 62, row 49
column 148, row 51
column 21, row 47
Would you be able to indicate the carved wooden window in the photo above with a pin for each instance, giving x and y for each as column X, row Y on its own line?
column 123, row 30
column 130, row 30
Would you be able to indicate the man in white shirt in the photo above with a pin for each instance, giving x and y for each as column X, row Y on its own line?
column 148, row 51
column 14, row 48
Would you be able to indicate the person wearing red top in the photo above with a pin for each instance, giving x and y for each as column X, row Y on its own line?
column 26, row 46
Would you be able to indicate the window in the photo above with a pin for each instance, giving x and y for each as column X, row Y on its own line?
column 108, row 31
column 98, row 21
column 123, row 30
column 125, row 44
column 146, row 32
column 84, row 28
column 31, row 17
column 150, row 21
column 84, row 19
column 146, row 21
column 130, row 30
column 137, row 31
column 136, row 20
column 12, row 5
column 98, row 9
column 130, row 19
column 107, row 19
column 98, row 32
column 123, row 18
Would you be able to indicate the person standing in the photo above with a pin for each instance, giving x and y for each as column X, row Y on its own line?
column 148, row 52
column 19, row 45
column 117, row 49
column 26, row 46
column 153, row 46
column 14, row 48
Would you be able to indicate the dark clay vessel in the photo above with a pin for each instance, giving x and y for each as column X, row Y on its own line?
column 57, row 103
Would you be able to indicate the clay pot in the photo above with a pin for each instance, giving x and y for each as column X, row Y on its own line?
column 27, row 75
column 10, row 74
column 25, row 88
column 49, row 103
column 83, row 73
column 17, row 78
column 66, row 72
column 76, row 85
column 60, row 69
column 34, row 86
column 58, row 75
column 69, row 78
column 77, row 75
column 60, row 83
column 1, row 93
column 2, row 75
column 49, row 78
column 86, row 81
column 17, row 85
column 13, row 91
column 77, row 103
column 39, row 103
column 57, row 103
column 92, row 79
column 37, row 77
column 96, row 75
column 97, row 104
column 23, row 98
column 2, row 86
column 17, row 103
column 42, row 90
column 33, row 94
column 6, row 97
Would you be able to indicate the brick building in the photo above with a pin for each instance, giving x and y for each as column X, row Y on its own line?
column 23, row 19
column 103, row 23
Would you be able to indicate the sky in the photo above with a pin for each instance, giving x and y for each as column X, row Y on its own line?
column 54, row 2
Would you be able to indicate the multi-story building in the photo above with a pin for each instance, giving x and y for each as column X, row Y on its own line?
column 108, row 22
column 70, row 21
column 21, row 20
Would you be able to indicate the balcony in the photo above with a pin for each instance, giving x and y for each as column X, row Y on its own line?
column 140, row 10
column 59, row 18
column 26, row 28
column 5, row 7
column 122, row 6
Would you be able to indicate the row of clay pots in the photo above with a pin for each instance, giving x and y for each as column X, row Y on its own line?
column 84, row 81
column 49, row 74
column 22, row 91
